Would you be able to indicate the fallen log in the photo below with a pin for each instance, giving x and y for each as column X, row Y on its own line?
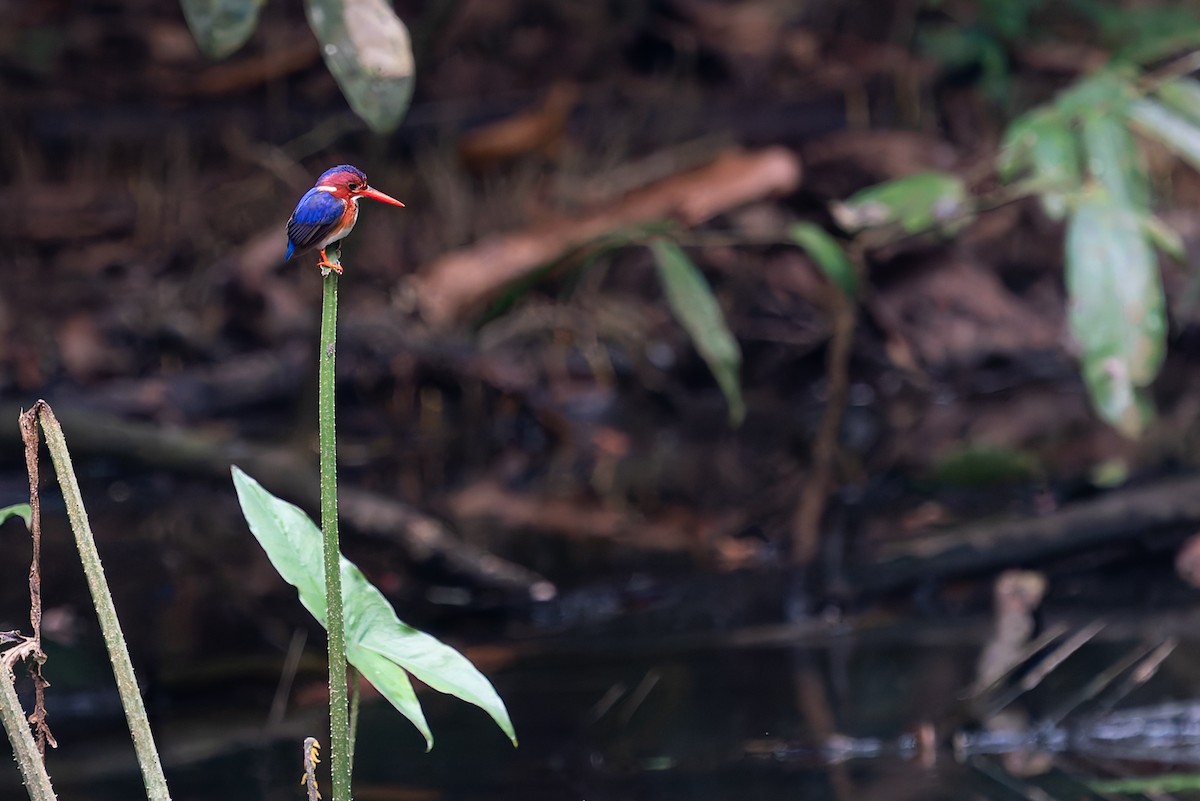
column 1165, row 509
column 291, row 476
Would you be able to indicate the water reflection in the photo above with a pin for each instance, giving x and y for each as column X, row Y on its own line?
column 854, row 710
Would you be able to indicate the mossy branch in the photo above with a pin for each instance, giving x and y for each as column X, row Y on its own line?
column 110, row 625
column 29, row 760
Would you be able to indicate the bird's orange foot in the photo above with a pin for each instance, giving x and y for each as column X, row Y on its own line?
column 326, row 265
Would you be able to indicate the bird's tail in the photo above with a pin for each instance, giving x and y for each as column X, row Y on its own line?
column 291, row 249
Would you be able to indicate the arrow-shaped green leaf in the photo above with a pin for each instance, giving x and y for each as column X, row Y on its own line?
column 378, row 643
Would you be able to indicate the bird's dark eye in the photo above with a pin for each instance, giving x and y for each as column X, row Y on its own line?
column 354, row 187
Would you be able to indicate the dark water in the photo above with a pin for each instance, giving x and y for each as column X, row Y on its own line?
column 705, row 702
column 654, row 718
column 595, row 722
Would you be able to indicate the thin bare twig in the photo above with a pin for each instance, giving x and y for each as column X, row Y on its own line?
column 806, row 524
column 28, row 425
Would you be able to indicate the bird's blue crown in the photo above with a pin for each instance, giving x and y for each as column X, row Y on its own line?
column 332, row 171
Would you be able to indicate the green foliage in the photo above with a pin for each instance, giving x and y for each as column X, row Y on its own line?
column 1182, row 96
column 368, row 50
column 928, row 200
column 1044, row 143
column 1143, row 32
column 1134, row 33
column 827, row 252
column 695, row 307
column 377, row 643
column 220, row 27
column 1112, row 156
column 1117, row 308
column 1174, row 130
column 981, row 465
column 961, row 48
column 1082, row 158
column 1147, row 786
column 1078, row 154
column 365, row 46
column 20, row 510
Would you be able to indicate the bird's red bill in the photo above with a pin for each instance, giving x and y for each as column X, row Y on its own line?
column 375, row 194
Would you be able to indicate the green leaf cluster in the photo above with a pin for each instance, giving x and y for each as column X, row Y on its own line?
column 982, row 42
column 383, row 648
column 1080, row 155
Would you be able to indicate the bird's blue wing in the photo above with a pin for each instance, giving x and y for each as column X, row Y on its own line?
column 316, row 216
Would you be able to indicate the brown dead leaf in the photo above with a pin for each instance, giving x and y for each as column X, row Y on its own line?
column 459, row 282
column 521, row 511
column 83, row 348
column 955, row 313
column 541, row 130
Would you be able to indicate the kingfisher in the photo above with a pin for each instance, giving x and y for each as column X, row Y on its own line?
column 328, row 211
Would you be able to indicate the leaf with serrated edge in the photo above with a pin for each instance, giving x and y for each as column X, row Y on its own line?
column 695, row 307
column 374, row 634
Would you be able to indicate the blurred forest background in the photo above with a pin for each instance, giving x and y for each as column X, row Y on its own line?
column 595, row 350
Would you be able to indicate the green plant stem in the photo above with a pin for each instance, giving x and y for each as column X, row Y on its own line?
column 33, row 769
column 335, row 625
column 355, row 698
column 106, row 611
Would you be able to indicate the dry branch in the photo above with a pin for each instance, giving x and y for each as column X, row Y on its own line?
column 290, row 476
column 458, row 283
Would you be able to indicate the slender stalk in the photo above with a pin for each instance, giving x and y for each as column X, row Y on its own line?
column 106, row 611
column 33, row 769
column 339, row 724
column 355, row 697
